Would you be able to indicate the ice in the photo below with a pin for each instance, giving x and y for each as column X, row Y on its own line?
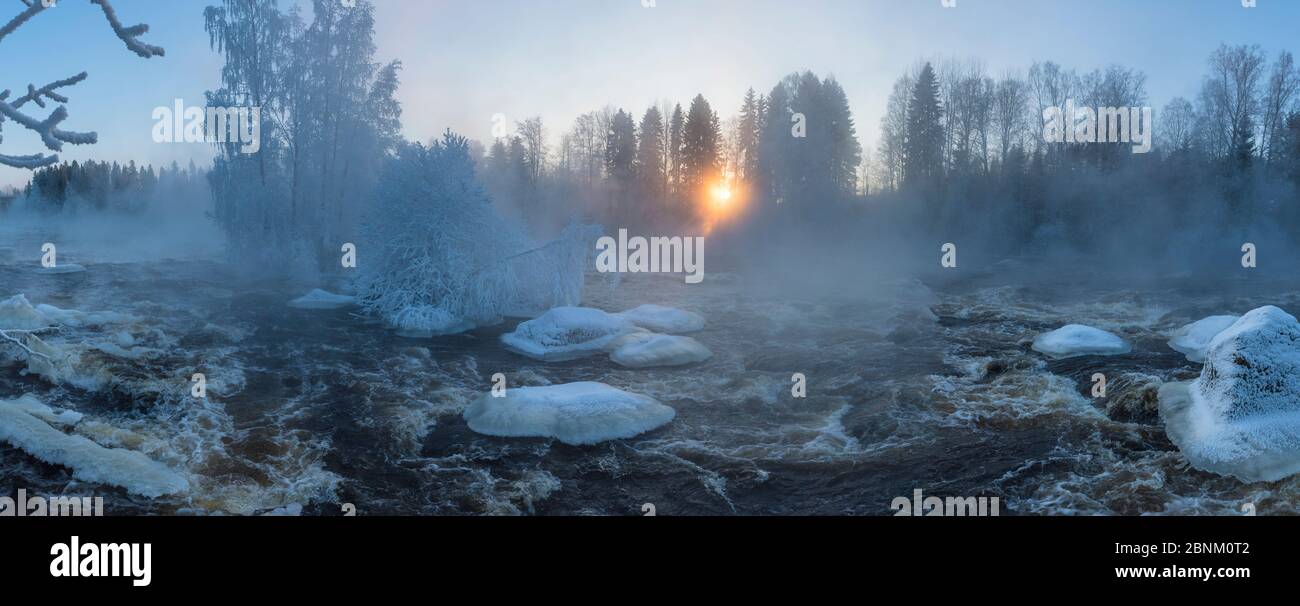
column 16, row 313
column 1078, row 340
column 667, row 320
column 66, row 268
column 646, row 350
column 79, row 319
column 1194, row 339
column 32, row 406
column 573, row 413
column 88, row 461
column 1242, row 416
column 320, row 299
column 567, row 333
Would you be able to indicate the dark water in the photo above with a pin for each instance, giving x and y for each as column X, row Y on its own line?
column 913, row 387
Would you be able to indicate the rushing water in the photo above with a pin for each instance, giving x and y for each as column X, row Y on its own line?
column 917, row 386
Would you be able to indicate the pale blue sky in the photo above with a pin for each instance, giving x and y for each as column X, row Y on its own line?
column 466, row 60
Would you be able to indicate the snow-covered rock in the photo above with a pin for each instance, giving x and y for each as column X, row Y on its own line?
column 567, row 333
column 1193, row 339
column 1242, row 416
column 21, row 425
column 573, row 413
column 667, row 320
column 64, row 268
column 646, row 350
column 320, row 299
column 1078, row 340
column 16, row 313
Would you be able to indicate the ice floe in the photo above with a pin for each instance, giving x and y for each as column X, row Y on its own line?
column 1194, row 339
column 567, row 333
column 23, row 425
column 1078, row 340
column 667, row 320
column 646, row 350
column 320, row 299
column 573, row 413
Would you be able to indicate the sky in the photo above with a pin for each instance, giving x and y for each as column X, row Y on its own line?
column 466, row 61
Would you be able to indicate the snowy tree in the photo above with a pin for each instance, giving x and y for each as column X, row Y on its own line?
column 51, row 135
column 443, row 261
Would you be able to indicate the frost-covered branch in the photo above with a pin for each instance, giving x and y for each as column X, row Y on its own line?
column 51, row 136
column 9, row 335
column 130, row 35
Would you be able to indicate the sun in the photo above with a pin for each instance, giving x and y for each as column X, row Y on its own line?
column 721, row 195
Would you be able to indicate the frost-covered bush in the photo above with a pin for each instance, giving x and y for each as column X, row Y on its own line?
column 438, row 259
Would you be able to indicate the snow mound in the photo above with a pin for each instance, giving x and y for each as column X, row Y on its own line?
column 646, row 350
column 1242, row 416
column 66, row 268
column 320, row 299
column 16, row 313
column 1079, row 340
column 567, row 333
column 89, row 461
column 658, row 318
column 1194, row 339
column 573, row 413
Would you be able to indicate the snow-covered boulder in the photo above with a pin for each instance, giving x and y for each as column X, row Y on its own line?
column 16, row 313
column 647, row 350
column 573, row 413
column 667, row 320
column 320, row 299
column 567, row 333
column 1078, row 340
column 1194, row 339
column 22, row 425
column 1242, row 416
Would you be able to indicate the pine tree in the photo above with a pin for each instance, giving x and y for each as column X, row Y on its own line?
column 650, row 167
column 751, row 128
column 700, row 144
column 620, row 149
column 923, row 146
column 676, row 131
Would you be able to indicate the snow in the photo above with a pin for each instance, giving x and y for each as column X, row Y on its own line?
column 668, row 320
column 646, row 350
column 89, row 461
column 16, row 313
column 574, row 413
column 567, row 333
column 65, row 268
column 1194, row 339
column 1079, row 340
column 1242, row 416
column 32, row 406
column 320, row 299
